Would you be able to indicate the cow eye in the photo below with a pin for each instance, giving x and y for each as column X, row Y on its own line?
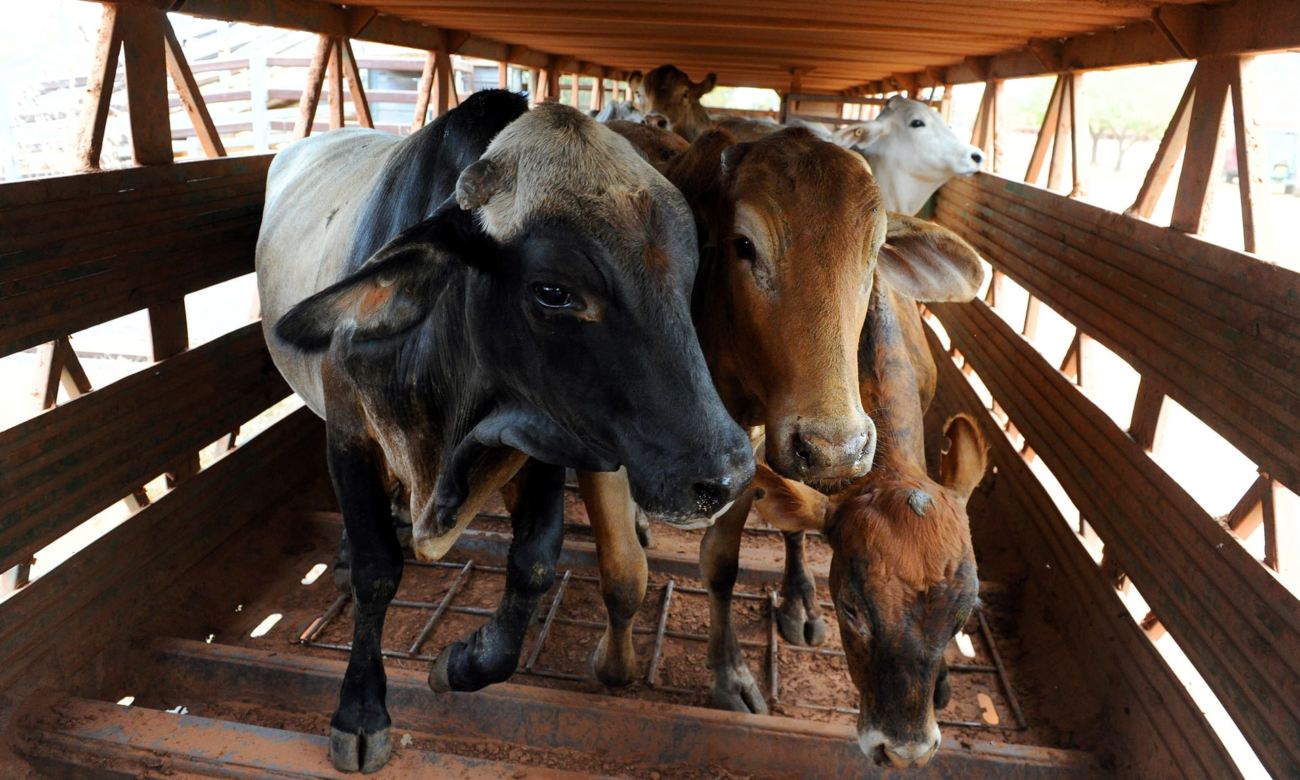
column 551, row 297
column 744, row 248
column 918, row 123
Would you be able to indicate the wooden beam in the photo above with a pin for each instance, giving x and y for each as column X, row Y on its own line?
column 1045, row 133
column 358, row 90
column 99, row 90
column 1171, row 147
column 1251, row 161
column 1078, row 131
column 146, row 84
column 188, row 90
column 311, row 92
column 1148, row 414
column 425, row 90
column 1201, row 160
column 335, row 76
column 1061, row 139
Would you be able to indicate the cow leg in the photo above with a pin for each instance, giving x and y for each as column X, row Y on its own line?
column 644, row 534
column 799, row 618
column 491, row 653
column 733, row 684
column 343, row 563
column 360, row 731
column 623, row 571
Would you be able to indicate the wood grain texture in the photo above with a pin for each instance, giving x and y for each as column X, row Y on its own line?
column 1233, row 619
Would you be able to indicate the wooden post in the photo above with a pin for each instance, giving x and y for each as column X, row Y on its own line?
column 534, row 86
column 311, row 91
column 1045, row 133
column 796, row 86
column 169, row 333
column 1061, row 139
column 552, row 92
column 1250, row 160
column 1078, row 131
column 146, row 84
column 99, row 90
column 945, row 104
column 1201, row 158
column 1033, row 306
column 1281, row 514
column 336, row 84
column 503, row 75
column 353, row 73
column 1072, row 363
column 422, row 96
column 575, row 87
column 1148, row 412
column 443, row 81
column 188, row 90
column 1171, row 146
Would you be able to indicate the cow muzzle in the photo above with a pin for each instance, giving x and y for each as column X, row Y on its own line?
column 827, row 455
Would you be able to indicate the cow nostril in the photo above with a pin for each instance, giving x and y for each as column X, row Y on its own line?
column 803, row 450
column 710, row 496
column 977, row 157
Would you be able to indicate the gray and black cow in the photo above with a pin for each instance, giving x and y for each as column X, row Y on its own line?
column 475, row 307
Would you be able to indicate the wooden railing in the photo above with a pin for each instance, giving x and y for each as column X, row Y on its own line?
column 1220, row 331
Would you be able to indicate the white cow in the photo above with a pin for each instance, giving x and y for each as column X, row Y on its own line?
column 912, row 152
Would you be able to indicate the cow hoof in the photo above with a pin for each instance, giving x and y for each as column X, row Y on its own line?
column 613, row 675
column 734, row 689
column 797, row 627
column 643, row 533
column 365, row 752
column 439, row 679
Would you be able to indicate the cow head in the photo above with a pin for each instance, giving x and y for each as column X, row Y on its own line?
column 658, row 147
column 903, row 580
column 912, row 152
column 671, row 101
column 576, row 262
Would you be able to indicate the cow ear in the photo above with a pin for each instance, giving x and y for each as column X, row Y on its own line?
column 701, row 88
column 392, row 291
column 862, row 135
column 698, row 170
column 894, row 101
column 479, row 182
column 962, row 465
column 928, row 262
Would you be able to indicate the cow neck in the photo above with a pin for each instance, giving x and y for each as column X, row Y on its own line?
column 887, row 382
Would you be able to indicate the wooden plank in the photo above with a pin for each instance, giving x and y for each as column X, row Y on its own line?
column 99, row 90
column 426, row 88
column 81, row 737
column 99, row 593
column 1152, row 720
column 1211, row 338
column 1171, row 147
column 1233, row 619
column 64, row 466
column 334, row 74
column 315, row 80
column 146, row 84
column 1045, row 133
column 49, row 192
column 1251, row 161
column 357, row 90
column 1148, row 413
column 1201, row 160
column 190, row 96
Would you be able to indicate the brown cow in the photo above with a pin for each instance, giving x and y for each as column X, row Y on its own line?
column 903, row 575
column 791, row 229
column 671, row 101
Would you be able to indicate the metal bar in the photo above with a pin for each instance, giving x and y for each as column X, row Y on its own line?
column 319, row 623
column 653, row 677
column 546, row 627
column 773, row 678
column 427, row 631
column 1002, row 672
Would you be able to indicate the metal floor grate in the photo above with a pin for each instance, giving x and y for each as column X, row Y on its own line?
column 667, row 593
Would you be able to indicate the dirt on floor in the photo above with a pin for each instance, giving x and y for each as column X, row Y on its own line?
column 267, row 577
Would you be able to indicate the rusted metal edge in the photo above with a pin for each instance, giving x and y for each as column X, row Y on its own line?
column 184, row 671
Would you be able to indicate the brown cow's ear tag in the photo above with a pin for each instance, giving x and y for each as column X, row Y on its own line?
column 928, row 262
